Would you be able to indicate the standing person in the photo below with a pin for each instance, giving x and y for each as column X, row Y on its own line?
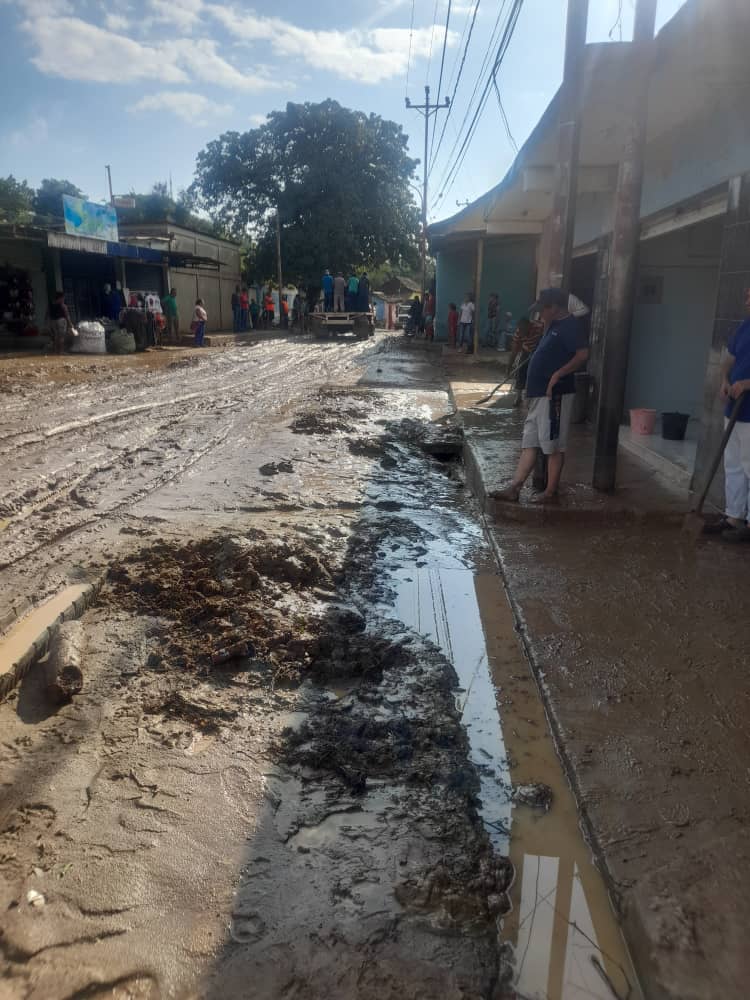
column 363, row 294
column 198, row 326
column 466, row 323
column 493, row 320
column 550, row 390
column 284, row 312
column 254, row 312
column 415, row 315
column 269, row 308
column 735, row 379
column 169, row 308
column 525, row 342
column 236, row 309
column 352, row 292
column 429, row 316
column 59, row 322
column 244, row 308
column 452, row 323
column 327, row 283
column 339, row 292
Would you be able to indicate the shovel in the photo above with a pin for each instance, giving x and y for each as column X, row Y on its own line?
column 694, row 522
column 509, row 379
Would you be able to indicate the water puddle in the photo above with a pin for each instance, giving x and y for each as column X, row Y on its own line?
column 567, row 942
column 15, row 642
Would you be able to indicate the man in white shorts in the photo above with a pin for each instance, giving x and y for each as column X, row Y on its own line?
column 550, row 390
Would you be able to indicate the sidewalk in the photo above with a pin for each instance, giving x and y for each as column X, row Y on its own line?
column 638, row 635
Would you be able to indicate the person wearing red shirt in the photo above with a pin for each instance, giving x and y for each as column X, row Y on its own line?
column 452, row 323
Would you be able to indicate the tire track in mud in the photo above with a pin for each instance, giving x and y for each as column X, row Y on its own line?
column 276, row 383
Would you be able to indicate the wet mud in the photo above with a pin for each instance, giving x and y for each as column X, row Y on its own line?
column 293, row 759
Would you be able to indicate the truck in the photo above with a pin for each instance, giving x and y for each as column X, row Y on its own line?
column 331, row 324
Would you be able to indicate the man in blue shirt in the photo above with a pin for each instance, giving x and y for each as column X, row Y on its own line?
column 327, row 291
column 735, row 380
column 550, row 389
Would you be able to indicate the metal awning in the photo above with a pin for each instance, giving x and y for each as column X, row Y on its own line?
column 132, row 251
column 191, row 261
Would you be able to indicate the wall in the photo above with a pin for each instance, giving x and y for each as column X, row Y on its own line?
column 508, row 268
column 670, row 340
column 733, row 279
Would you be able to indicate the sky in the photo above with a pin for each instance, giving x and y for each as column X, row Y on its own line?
column 144, row 85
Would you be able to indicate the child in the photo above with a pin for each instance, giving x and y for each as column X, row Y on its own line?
column 452, row 323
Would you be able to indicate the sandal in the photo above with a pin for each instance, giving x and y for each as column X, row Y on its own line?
column 718, row 527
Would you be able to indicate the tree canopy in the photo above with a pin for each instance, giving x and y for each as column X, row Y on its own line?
column 15, row 200
column 339, row 179
column 158, row 205
column 48, row 203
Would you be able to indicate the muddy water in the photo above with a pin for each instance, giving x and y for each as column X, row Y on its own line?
column 565, row 937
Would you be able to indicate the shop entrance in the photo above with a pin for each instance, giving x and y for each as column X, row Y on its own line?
column 84, row 277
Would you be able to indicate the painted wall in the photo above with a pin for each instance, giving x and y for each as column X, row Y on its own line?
column 509, row 268
column 671, row 339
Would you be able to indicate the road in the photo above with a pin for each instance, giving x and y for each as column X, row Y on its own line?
column 286, row 766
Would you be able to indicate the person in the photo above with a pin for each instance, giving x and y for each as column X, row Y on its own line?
column 59, row 322
column 452, row 323
column 493, row 320
column 169, row 308
column 429, row 316
column 550, row 390
column 525, row 341
column 269, row 308
column 327, row 291
column 352, row 292
column 466, row 322
column 363, row 294
column 244, row 308
column 198, row 326
column 254, row 311
column 339, row 293
column 415, row 314
column 284, row 312
column 734, row 526
column 236, row 309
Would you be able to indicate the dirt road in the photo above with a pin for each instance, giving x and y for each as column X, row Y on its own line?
column 285, row 775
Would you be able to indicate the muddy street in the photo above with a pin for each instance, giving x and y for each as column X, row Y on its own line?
column 308, row 758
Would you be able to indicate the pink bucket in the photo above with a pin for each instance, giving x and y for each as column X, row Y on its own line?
column 642, row 421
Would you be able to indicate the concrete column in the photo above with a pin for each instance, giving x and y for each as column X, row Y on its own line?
column 624, row 263
column 478, row 292
column 555, row 270
column 734, row 278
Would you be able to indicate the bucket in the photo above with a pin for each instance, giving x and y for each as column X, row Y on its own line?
column 642, row 421
column 674, row 425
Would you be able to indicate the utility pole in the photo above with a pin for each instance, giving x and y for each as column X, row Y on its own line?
column 109, row 181
column 624, row 252
column 427, row 110
column 569, row 137
column 278, row 263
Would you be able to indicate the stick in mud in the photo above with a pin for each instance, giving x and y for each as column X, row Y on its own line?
column 63, row 673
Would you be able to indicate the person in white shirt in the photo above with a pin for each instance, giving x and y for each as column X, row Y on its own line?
column 466, row 322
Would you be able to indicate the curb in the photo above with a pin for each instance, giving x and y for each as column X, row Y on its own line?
column 40, row 644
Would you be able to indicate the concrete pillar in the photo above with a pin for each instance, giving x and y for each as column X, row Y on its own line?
column 734, row 278
column 478, row 292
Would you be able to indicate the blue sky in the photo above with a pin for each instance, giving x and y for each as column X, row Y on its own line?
column 145, row 84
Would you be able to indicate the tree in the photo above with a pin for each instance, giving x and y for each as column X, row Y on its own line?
column 15, row 200
column 339, row 178
column 48, row 199
column 158, row 206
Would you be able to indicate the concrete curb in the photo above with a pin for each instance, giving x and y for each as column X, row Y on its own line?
column 40, row 644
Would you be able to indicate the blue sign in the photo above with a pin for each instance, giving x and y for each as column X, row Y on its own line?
column 86, row 218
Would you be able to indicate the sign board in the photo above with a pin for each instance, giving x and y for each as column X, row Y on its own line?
column 124, row 202
column 85, row 218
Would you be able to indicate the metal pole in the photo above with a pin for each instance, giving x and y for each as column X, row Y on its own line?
column 477, row 292
column 424, row 195
column 278, row 263
column 109, row 181
column 624, row 254
column 569, row 136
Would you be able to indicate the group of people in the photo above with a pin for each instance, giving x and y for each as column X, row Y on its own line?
column 342, row 295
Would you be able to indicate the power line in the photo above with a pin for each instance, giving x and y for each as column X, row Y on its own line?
column 408, row 61
column 432, row 37
column 458, row 80
column 450, row 176
column 442, row 57
column 503, row 115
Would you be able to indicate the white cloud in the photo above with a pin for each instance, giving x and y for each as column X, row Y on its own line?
column 204, row 63
column 34, row 132
column 257, row 119
column 192, row 108
column 368, row 56
column 116, row 22
column 75, row 50
column 183, row 15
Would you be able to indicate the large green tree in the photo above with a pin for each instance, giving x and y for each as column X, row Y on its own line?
column 48, row 199
column 339, row 179
column 15, row 200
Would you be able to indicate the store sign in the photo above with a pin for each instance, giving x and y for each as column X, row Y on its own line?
column 63, row 242
column 86, row 218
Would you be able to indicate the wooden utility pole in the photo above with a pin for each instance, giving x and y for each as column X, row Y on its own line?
column 624, row 253
column 427, row 110
column 569, row 137
column 278, row 265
